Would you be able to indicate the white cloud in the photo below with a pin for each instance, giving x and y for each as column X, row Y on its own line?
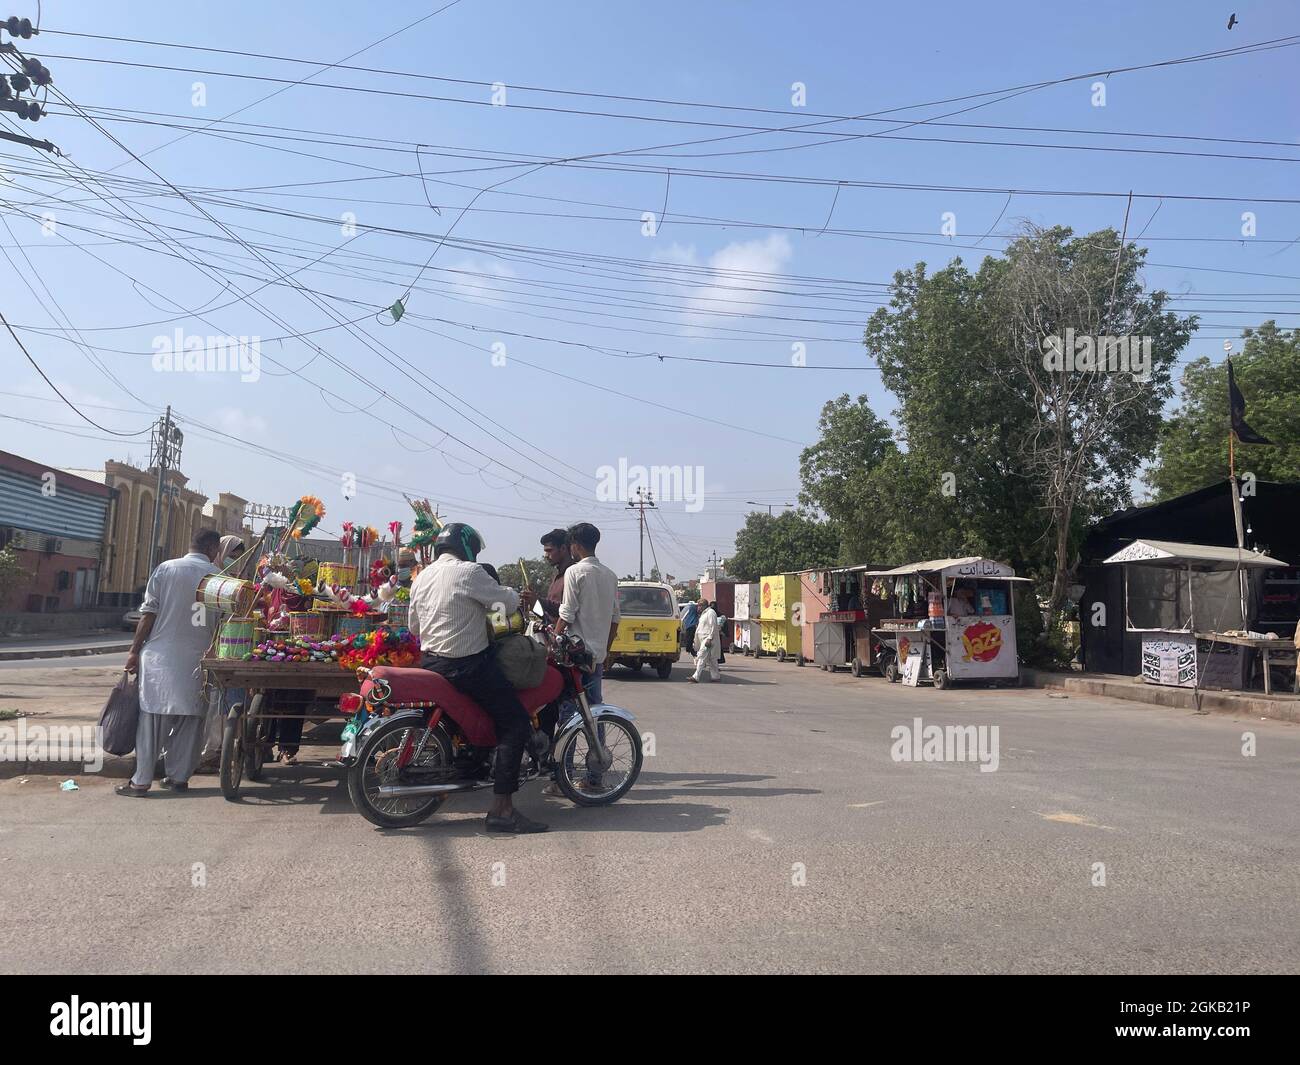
column 731, row 270
column 480, row 282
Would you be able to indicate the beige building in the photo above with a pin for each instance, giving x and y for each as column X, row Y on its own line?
column 125, row 566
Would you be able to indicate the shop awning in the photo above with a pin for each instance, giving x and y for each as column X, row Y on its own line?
column 970, row 566
column 1199, row 556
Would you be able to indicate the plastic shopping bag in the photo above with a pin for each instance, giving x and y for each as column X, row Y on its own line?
column 121, row 714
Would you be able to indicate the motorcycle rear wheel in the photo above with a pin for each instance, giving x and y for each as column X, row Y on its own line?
column 376, row 766
column 622, row 741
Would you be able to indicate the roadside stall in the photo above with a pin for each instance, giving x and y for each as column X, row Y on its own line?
column 722, row 592
column 291, row 635
column 779, row 616
column 747, row 635
column 954, row 621
column 839, row 617
column 1194, row 606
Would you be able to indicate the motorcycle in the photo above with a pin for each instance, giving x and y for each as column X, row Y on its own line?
column 421, row 740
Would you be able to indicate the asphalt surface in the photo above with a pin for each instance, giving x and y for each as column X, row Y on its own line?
column 116, row 659
column 777, row 775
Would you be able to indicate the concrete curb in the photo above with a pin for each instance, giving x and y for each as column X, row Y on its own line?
column 65, row 652
column 1240, row 704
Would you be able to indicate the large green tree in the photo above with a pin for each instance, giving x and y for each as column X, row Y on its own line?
column 1008, row 453
column 1193, row 451
column 781, row 543
column 836, row 472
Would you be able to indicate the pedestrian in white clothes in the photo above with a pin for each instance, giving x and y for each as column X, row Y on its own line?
column 173, row 635
column 708, row 641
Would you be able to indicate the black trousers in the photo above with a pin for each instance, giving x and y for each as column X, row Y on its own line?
column 479, row 677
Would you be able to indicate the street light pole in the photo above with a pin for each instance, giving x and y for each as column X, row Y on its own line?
column 166, row 451
column 643, row 500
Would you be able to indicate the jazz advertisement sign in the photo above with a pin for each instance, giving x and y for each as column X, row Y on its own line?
column 982, row 646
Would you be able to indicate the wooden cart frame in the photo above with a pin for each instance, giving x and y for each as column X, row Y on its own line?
column 245, row 740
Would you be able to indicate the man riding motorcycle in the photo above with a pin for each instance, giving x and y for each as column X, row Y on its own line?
column 448, row 601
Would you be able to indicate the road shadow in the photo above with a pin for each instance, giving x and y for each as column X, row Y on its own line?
column 628, row 815
column 727, row 784
column 305, row 784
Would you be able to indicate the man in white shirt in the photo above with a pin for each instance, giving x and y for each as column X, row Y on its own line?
column 173, row 635
column 450, row 603
column 708, row 637
column 590, row 603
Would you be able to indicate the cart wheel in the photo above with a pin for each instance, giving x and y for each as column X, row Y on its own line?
column 232, row 752
column 254, row 740
column 940, row 678
column 891, row 673
column 801, row 661
column 664, row 669
column 856, row 667
column 780, row 654
column 825, row 668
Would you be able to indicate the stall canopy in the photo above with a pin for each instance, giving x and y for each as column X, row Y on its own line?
column 971, row 566
column 1182, row 587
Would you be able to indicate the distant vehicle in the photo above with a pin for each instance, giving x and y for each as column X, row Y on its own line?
column 131, row 619
column 650, row 630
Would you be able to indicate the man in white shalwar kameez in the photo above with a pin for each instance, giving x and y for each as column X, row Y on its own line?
column 708, row 642
column 173, row 635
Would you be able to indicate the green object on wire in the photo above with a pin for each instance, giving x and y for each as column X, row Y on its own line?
column 397, row 310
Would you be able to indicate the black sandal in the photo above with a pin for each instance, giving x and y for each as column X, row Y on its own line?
column 516, row 824
column 130, row 789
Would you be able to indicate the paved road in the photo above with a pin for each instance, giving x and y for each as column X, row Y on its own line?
column 27, row 650
column 117, row 660
column 909, row 867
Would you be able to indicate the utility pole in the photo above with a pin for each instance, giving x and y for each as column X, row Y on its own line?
column 713, row 565
column 165, row 452
column 754, row 503
column 32, row 77
column 643, row 499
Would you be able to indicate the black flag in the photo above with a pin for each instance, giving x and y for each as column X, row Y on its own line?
column 1237, row 405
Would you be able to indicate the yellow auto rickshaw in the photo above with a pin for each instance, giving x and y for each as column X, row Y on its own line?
column 650, row 630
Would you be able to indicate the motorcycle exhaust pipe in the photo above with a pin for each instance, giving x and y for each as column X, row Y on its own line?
column 402, row 791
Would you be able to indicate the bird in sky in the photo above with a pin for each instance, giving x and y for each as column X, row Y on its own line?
column 1232, row 20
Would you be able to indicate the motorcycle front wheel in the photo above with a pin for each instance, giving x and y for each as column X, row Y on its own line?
column 581, row 781
column 376, row 765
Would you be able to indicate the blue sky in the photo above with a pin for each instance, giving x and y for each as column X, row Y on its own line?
column 528, row 267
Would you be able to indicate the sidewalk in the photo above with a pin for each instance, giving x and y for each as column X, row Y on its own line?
column 87, row 643
column 1280, row 706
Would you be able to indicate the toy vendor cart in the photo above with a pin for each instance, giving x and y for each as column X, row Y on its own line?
column 275, row 691
column 956, row 622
